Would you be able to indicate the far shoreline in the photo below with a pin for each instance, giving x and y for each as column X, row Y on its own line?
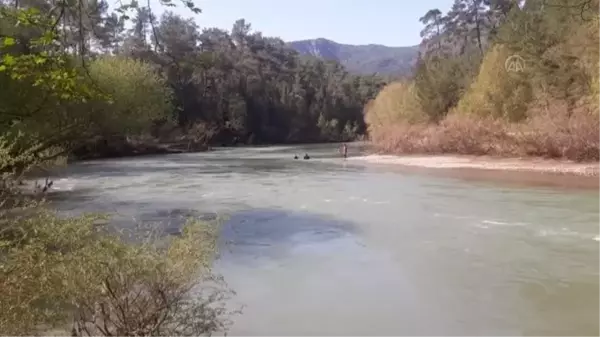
column 540, row 165
column 521, row 171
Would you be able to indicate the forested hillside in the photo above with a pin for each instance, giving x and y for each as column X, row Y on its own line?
column 164, row 79
column 503, row 77
column 362, row 59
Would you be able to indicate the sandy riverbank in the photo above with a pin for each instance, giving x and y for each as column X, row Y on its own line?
column 486, row 163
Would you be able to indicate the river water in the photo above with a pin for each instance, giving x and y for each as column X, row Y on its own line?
column 333, row 247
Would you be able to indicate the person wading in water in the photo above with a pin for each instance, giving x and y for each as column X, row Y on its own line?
column 344, row 151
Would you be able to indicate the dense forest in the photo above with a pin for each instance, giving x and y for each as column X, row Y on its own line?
column 166, row 80
column 498, row 77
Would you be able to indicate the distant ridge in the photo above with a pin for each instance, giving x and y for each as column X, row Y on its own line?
column 362, row 59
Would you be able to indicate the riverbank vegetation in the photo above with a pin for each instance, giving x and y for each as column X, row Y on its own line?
column 508, row 78
column 73, row 275
column 173, row 85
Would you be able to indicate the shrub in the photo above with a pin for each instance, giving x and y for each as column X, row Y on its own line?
column 397, row 102
column 55, row 270
column 455, row 134
column 496, row 92
column 439, row 83
column 138, row 95
column 550, row 133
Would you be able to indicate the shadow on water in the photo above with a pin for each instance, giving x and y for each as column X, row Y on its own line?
column 247, row 234
column 127, row 214
column 169, row 221
column 251, row 235
column 258, row 234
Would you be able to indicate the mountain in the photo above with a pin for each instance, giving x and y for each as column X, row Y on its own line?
column 362, row 59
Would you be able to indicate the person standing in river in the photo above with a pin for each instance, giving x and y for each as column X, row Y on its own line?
column 344, row 150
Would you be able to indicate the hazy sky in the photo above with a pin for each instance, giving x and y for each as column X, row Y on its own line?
column 387, row 22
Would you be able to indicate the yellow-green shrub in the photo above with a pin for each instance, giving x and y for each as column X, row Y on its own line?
column 496, row 92
column 138, row 95
column 397, row 102
column 54, row 271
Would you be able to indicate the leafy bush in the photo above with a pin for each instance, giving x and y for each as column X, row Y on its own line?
column 550, row 134
column 496, row 92
column 55, row 270
column 138, row 95
column 397, row 102
column 440, row 82
column 475, row 106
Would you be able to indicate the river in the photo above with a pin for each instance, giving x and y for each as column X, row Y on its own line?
column 332, row 247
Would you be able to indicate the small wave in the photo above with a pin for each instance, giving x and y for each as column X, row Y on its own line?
column 64, row 184
column 502, row 223
column 566, row 233
column 494, row 222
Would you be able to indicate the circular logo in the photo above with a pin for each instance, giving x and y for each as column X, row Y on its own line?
column 514, row 63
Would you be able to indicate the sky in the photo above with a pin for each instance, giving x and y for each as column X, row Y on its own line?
column 386, row 22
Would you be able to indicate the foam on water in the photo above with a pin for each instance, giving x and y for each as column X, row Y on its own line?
column 64, row 184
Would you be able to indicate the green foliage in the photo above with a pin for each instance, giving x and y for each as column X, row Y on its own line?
column 439, row 84
column 138, row 95
column 462, row 83
column 497, row 92
column 557, row 40
column 53, row 101
column 255, row 88
column 44, row 67
column 396, row 103
column 54, row 271
column 246, row 86
column 35, row 84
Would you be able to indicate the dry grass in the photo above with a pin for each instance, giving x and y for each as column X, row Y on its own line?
column 549, row 133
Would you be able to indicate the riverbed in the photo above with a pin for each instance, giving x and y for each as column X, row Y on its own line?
column 332, row 247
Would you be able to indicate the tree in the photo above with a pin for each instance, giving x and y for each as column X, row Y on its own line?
column 433, row 26
column 496, row 92
column 138, row 96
